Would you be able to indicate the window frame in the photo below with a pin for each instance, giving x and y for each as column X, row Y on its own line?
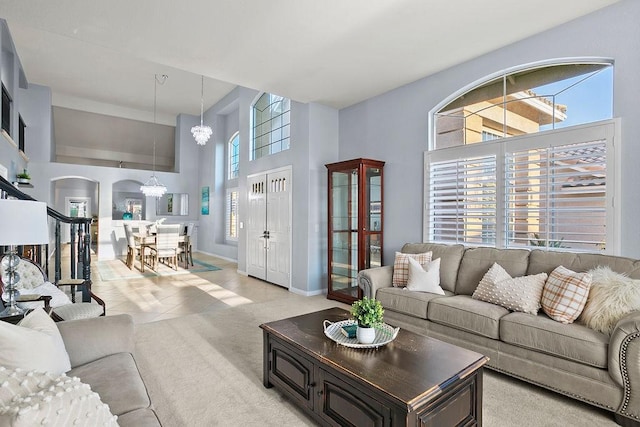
column 233, row 159
column 606, row 129
column 228, row 208
column 21, row 134
column 499, row 74
column 7, row 104
column 259, row 152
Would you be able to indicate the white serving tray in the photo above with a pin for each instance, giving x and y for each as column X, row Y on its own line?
column 384, row 334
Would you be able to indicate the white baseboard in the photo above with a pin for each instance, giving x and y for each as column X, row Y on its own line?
column 308, row 293
column 217, row 256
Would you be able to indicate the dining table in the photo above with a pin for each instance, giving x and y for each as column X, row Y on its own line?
column 149, row 241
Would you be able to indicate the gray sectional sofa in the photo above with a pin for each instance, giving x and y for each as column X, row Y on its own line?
column 101, row 353
column 568, row 358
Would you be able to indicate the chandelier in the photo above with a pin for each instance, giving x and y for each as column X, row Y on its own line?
column 153, row 187
column 201, row 133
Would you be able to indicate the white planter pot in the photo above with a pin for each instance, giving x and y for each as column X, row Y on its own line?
column 365, row 335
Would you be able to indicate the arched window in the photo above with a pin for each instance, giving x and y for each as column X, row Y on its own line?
column 233, row 153
column 271, row 119
column 508, row 165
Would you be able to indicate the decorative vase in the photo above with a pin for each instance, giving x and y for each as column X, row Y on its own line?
column 365, row 335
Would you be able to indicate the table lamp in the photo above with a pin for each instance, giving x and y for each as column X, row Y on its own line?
column 22, row 222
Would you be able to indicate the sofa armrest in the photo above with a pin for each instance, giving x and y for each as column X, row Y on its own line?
column 372, row 279
column 87, row 340
column 624, row 362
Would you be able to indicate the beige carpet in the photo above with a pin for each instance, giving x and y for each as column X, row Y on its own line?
column 206, row 370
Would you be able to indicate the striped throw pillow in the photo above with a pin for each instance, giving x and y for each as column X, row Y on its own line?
column 565, row 294
column 401, row 266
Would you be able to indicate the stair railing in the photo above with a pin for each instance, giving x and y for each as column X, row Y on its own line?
column 80, row 242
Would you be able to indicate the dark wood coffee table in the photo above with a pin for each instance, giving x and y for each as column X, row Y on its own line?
column 413, row 380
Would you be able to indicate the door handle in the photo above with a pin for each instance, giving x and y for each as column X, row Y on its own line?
column 265, row 234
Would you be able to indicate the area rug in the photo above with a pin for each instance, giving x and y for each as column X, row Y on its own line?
column 206, row 370
column 116, row 269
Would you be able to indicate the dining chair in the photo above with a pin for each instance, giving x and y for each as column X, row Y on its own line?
column 133, row 249
column 186, row 249
column 166, row 247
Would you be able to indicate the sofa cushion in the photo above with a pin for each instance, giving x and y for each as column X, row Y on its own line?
column 570, row 341
column 450, row 256
column 463, row 312
column 139, row 418
column 405, row 301
column 565, row 294
column 477, row 261
column 117, row 380
column 401, row 266
column 546, row 261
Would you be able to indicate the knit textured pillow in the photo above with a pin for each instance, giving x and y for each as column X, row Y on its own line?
column 30, row 398
column 565, row 294
column 515, row 294
column 401, row 266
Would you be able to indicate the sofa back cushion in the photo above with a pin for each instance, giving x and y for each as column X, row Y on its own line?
column 477, row 261
column 546, row 262
column 450, row 257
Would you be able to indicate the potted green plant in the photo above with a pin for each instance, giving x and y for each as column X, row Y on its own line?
column 23, row 177
column 368, row 312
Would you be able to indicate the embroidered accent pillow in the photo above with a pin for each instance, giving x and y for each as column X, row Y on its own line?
column 424, row 278
column 565, row 294
column 516, row 294
column 401, row 266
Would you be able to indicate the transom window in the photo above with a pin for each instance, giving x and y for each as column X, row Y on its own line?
column 271, row 125
column 234, row 156
column 535, row 189
column 525, row 102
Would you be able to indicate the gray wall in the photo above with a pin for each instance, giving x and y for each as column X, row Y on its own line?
column 394, row 126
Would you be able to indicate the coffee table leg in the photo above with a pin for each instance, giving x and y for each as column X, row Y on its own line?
column 265, row 361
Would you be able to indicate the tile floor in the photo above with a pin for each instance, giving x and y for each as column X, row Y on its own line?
column 157, row 298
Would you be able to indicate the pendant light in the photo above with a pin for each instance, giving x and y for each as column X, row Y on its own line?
column 153, row 187
column 201, row 133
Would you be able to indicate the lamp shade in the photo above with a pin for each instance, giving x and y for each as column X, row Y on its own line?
column 23, row 222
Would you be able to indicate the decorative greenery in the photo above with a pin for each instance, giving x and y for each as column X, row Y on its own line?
column 23, row 175
column 535, row 240
column 368, row 312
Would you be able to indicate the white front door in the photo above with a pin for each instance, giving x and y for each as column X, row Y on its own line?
column 269, row 227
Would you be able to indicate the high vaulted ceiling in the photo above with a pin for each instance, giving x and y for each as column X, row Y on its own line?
column 96, row 54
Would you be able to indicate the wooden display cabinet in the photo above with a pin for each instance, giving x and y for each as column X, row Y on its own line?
column 355, row 224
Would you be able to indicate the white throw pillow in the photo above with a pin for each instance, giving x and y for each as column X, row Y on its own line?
column 58, row 298
column 513, row 293
column 33, row 344
column 611, row 297
column 425, row 277
column 30, row 398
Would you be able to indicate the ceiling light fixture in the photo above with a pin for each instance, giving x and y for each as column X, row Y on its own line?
column 201, row 133
column 153, row 187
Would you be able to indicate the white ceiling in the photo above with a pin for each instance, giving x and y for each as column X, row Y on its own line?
column 101, row 55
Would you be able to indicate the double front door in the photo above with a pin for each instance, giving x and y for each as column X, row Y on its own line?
column 269, row 227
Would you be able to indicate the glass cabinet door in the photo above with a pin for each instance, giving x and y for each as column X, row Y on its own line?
column 355, row 224
column 344, row 232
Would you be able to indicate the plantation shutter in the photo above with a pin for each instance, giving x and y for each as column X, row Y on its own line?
column 231, row 215
column 556, row 196
column 462, row 200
